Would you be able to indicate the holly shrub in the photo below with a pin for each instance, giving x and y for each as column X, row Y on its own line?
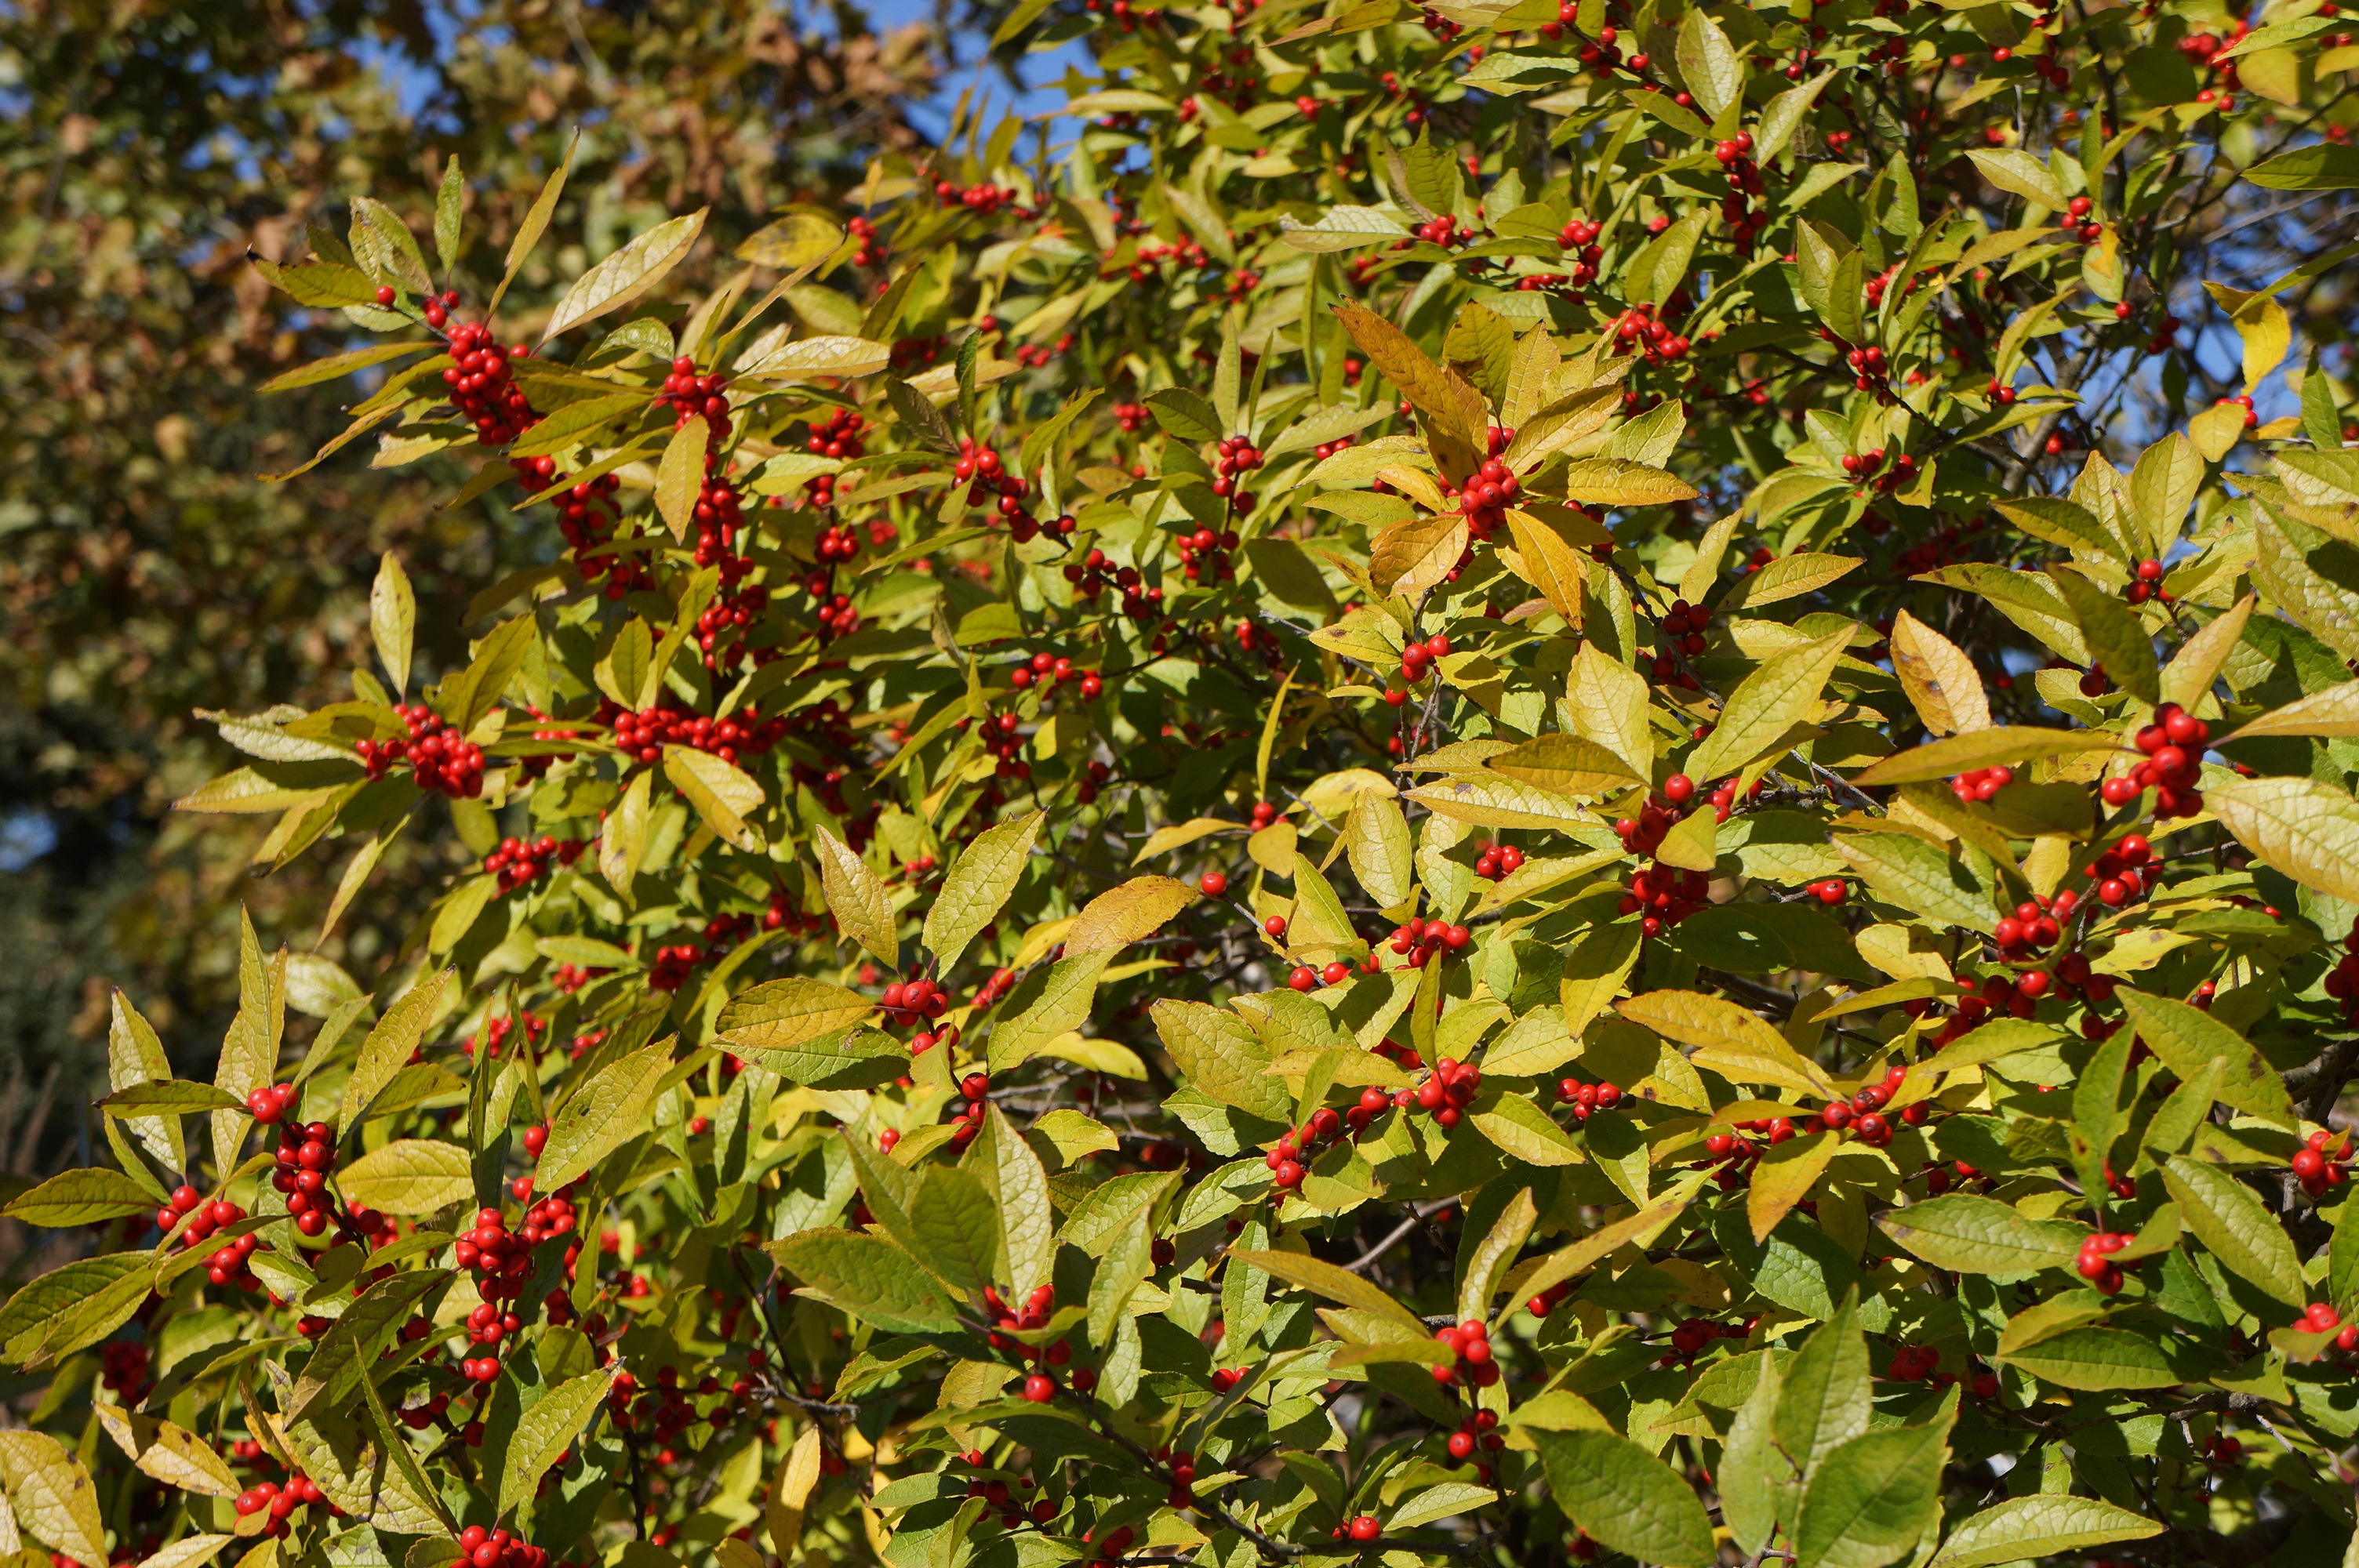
column 1433, row 799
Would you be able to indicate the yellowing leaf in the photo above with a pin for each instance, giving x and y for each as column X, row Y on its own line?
column 1982, row 749
column 1769, row 703
column 977, row 885
column 173, row 1455
column 54, row 1500
column 2306, row 830
column 1940, row 680
column 627, row 273
column 393, row 618
column 1614, row 481
column 1549, row 563
column 1565, row 764
column 2334, row 711
column 724, row 795
column 1783, row 1178
column 1448, row 400
column 409, row 1175
column 1727, row 1039
column 1416, row 553
column 862, row 910
column 781, row 1014
column 682, row 474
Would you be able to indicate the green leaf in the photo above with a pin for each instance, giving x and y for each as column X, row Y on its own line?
column 1011, row 1173
column 2323, row 165
column 1522, row 1130
column 978, row 884
column 1750, row 1464
column 627, row 273
column 360, row 1335
column 2020, row 173
column 955, row 1228
column 2116, row 637
column 602, row 1115
column 1969, row 1235
column 1925, row 879
column 1957, row 754
column 389, row 1046
column 868, row 1277
column 78, row 1304
column 1062, row 1007
column 81, row 1197
column 2225, row 1217
column 1335, row 1283
column 2096, row 1361
column 2187, row 1038
column 1709, row 63
column 1825, row 1399
column 358, row 1475
column 412, row 1175
column 1871, row 1499
column 2050, row 1524
column 1491, row 1256
column 449, row 208
column 1625, row 1497
column 547, row 1430
column 1767, row 703
column 861, row 908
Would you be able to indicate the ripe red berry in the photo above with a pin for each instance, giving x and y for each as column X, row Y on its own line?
column 1212, row 884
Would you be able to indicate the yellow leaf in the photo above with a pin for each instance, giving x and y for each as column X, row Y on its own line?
column 2334, row 711
column 2189, row 675
column 2217, row 430
column 1549, row 563
column 2267, row 334
column 1452, row 407
column 789, row 1491
column 977, row 885
column 1940, row 680
column 1121, row 915
column 1413, row 554
column 1605, row 700
column 681, row 475
column 1983, row 749
column 627, row 273
column 1783, row 1178
column 1565, row 764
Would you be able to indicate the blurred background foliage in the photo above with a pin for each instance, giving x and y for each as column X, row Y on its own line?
column 146, row 571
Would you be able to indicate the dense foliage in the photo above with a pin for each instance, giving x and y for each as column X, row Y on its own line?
column 1421, row 791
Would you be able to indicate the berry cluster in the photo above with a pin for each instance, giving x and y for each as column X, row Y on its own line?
column 1447, row 1091
column 498, row 1549
column 2173, row 745
column 301, row 1491
column 269, row 1103
column 1238, row 457
column 983, row 198
column 641, row 736
column 1420, row 939
column 2123, row 871
column 1494, row 861
column 517, row 861
column 692, row 396
column 492, row 1037
column 440, row 759
column 586, row 515
column 1415, row 659
column 1638, row 329
column 1586, row 1097
column 122, row 1369
column 1667, row 895
column 2322, row 1162
column 204, row 1218
column 968, row 1113
column 872, row 249
column 1863, row 1114
column 2034, row 925
column 306, row 1154
column 1204, row 555
column 1326, row 449
column 1054, row 670
column 1693, row 1335
column 2319, row 1317
column 1735, row 154
column 1980, row 785
column 1469, row 1342
column 1883, row 471
column 2095, row 1264
column 483, row 388
column 1484, row 500
column 843, row 434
